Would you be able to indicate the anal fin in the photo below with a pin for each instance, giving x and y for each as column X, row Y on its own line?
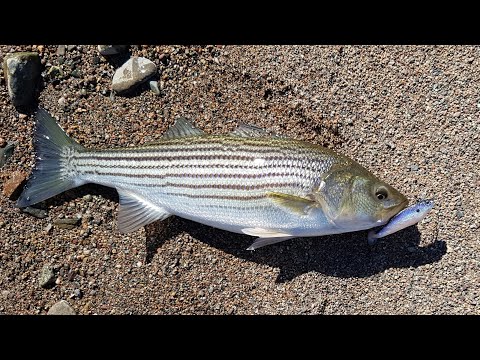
column 136, row 212
column 266, row 237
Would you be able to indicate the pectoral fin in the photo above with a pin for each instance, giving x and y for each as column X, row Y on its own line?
column 296, row 204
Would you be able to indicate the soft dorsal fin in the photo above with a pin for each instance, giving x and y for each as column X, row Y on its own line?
column 136, row 212
column 245, row 130
column 295, row 204
column 182, row 128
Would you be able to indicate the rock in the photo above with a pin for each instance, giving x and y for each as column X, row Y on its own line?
column 88, row 198
column 47, row 277
column 36, row 212
column 14, row 184
column 71, row 47
column 154, row 87
column 48, row 228
column 107, row 50
column 61, row 50
column 62, row 102
column 55, row 72
column 22, row 72
column 131, row 74
column 414, row 167
column 61, row 308
column 6, row 152
column 67, row 223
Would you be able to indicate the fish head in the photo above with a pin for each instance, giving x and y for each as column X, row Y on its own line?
column 354, row 199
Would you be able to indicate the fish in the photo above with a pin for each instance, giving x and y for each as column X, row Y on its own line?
column 405, row 218
column 247, row 182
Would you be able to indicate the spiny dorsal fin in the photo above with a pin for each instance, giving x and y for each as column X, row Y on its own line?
column 136, row 212
column 296, row 204
column 245, row 130
column 182, row 128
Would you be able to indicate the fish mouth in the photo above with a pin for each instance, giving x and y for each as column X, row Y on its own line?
column 395, row 210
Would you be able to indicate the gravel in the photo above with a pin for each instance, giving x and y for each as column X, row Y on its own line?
column 388, row 107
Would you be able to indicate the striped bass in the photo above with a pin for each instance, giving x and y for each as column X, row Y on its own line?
column 246, row 182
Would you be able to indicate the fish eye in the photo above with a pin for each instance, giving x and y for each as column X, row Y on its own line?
column 381, row 194
column 418, row 210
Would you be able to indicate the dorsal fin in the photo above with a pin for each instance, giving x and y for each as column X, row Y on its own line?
column 245, row 130
column 182, row 128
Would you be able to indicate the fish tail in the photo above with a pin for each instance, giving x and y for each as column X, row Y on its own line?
column 53, row 172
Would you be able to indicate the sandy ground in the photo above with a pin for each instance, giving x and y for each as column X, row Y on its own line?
column 409, row 114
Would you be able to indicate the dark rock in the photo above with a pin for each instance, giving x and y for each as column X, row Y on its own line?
column 61, row 308
column 107, row 50
column 22, row 71
column 6, row 153
column 134, row 72
column 67, row 223
column 36, row 212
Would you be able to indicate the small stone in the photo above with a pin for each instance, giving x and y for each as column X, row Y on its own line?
column 107, row 50
column 22, row 72
column 459, row 214
column 36, row 212
column 77, row 293
column 62, row 102
column 61, row 308
column 14, row 184
column 456, row 114
column 48, row 228
column 154, row 87
column 67, row 223
column 139, row 264
column 88, row 198
column 3, row 143
column 134, row 72
column 414, row 167
column 71, row 47
column 61, row 50
column 6, row 152
column 47, row 277
column 55, row 72
column 76, row 73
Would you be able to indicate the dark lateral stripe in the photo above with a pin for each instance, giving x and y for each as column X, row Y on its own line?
column 219, row 186
column 191, row 166
column 218, row 197
column 199, row 176
column 155, row 157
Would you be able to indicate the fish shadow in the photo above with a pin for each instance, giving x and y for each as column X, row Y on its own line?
column 345, row 255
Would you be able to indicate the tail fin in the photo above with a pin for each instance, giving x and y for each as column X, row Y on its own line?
column 51, row 175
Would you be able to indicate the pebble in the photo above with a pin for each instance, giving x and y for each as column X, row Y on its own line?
column 414, row 167
column 61, row 50
column 22, row 72
column 36, row 212
column 107, row 50
column 47, row 277
column 48, row 228
column 154, row 87
column 88, row 198
column 62, row 102
column 14, row 184
column 68, row 223
column 135, row 71
column 6, row 152
column 61, row 308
